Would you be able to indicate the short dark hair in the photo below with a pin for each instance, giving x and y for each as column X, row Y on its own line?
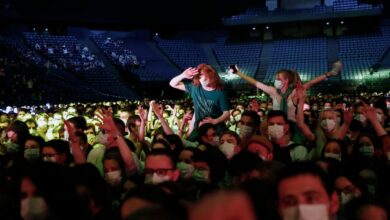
column 275, row 113
column 301, row 168
column 254, row 116
column 79, row 122
column 163, row 152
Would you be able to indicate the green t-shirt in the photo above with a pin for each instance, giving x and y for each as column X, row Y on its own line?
column 207, row 103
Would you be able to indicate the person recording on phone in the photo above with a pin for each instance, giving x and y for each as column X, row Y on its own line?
column 283, row 93
column 207, row 92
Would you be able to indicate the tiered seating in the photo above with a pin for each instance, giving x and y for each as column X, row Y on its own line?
column 351, row 5
column 144, row 63
column 184, row 53
column 245, row 55
column 363, row 47
column 70, row 54
column 307, row 56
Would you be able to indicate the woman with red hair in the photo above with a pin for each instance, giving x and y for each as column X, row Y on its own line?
column 206, row 90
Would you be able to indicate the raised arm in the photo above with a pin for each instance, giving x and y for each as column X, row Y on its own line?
column 267, row 89
column 126, row 154
column 370, row 113
column 347, row 116
column 306, row 131
column 158, row 111
column 78, row 155
column 176, row 82
column 337, row 66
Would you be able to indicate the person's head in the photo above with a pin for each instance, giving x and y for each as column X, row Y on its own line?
column 160, row 144
column 366, row 145
column 78, row 123
column 260, row 146
column 141, row 202
column 56, row 151
column 160, row 166
column 304, row 189
column 92, row 188
column 349, row 186
column 176, row 144
column 278, row 125
column 335, row 149
column 381, row 111
column 358, row 114
column 32, row 147
column 47, row 192
column 328, row 121
column 17, row 132
column 248, row 124
column 208, row 134
column 114, row 167
column 208, row 76
column 133, row 124
column 366, row 208
column 185, row 163
column 235, row 116
column 125, row 114
column 286, row 78
column 244, row 166
column 229, row 143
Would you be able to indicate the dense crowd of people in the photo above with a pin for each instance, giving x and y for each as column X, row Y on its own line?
column 287, row 155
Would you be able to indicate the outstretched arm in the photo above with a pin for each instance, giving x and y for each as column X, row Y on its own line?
column 267, row 89
column 337, row 66
column 176, row 82
column 370, row 113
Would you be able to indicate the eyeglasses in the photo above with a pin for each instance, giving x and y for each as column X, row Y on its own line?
column 161, row 171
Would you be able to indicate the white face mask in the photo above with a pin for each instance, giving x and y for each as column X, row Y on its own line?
column 361, row 118
column 333, row 155
column 156, row 179
column 52, row 159
column 33, row 208
column 278, row 84
column 113, row 178
column 203, row 82
column 275, row 131
column 186, row 170
column 66, row 135
column 102, row 138
column 227, row 149
column 244, row 131
column 328, row 124
column 306, row 212
column 379, row 117
column 237, row 118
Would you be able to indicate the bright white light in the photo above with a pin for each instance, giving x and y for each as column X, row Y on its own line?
column 267, row 27
column 254, row 28
column 341, row 22
column 46, row 29
column 327, row 23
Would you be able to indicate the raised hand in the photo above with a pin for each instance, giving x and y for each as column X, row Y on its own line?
column 156, row 108
column 190, row 72
column 336, row 68
column 348, row 116
column 71, row 131
column 108, row 123
column 370, row 113
column 208, row 120
column 142, row 113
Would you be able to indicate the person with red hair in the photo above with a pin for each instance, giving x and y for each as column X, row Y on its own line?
column 207, row 93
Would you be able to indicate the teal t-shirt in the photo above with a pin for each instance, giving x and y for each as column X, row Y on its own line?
column 207, row 103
